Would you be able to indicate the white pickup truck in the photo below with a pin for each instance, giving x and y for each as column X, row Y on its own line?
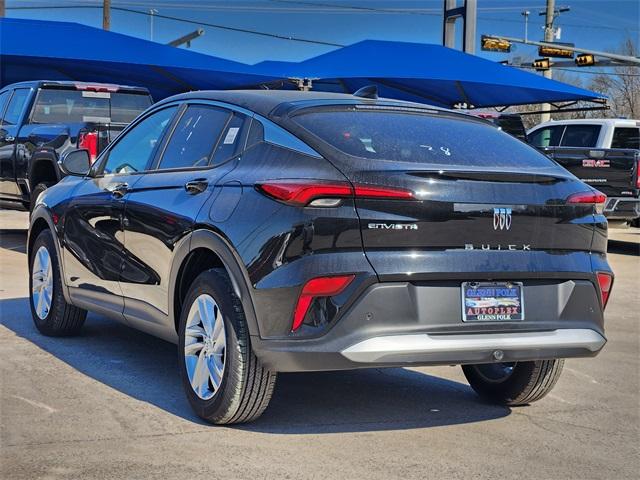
column 604, row 153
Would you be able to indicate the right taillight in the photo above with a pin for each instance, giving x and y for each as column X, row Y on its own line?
column 605, row 282
column 306, row 193
column 638, row 173
column 89, row 142
column 593, row 197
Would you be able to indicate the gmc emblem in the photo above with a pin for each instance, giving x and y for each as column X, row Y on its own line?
column 591, row 163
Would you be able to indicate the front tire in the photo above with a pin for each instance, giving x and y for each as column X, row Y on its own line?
column 51, row 313
column 516, row 383
column 223, row 379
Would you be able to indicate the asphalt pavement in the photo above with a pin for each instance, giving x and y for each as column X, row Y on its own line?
column 109, row 404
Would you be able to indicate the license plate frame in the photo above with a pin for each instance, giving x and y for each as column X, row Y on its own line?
column 492, row 301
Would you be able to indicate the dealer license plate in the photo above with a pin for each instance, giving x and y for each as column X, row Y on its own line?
column 492, row 302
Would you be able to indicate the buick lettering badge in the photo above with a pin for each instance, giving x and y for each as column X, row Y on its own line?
column 501, row 218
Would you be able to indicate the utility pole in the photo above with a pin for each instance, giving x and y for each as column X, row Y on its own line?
column 152, row 12
column 1, row 8
column 548, row 37
column 106, row 14
column 526, row 14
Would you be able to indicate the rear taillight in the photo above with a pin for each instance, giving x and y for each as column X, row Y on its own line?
column 638, row 174
column 327, row 194
column 318, row 287
column 605, row 282
column 593, row 197
column 89, row 142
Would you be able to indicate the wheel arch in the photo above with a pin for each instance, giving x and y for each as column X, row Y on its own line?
column 43, row 168
column 41, row 219
column 204, row 250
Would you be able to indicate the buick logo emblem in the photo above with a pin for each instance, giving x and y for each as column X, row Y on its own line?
column 501, row 218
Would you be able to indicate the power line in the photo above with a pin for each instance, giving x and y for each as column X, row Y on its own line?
column 194, row 22
column 611, row 74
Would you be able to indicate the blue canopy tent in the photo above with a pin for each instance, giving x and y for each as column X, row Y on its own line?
column 425, row 73
column 409, row 71
column 36, row 49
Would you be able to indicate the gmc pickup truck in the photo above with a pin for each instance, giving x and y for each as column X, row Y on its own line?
column 41, row 120
column 601, row 152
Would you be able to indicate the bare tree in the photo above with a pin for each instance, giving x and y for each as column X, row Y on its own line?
column 622, row 85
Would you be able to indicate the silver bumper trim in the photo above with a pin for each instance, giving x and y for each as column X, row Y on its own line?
column 378, row 349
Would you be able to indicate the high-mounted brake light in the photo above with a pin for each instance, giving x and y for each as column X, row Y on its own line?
column 318, row 287
column 89, row 142
column 302, row 193
column 99, row 87
column 593, row 197
column 605, row 282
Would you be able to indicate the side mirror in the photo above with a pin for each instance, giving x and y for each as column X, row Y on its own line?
column 75, row 162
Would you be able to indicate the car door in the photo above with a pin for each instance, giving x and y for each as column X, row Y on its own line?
column 9, row 128
column 162, row 207
column 93, row 238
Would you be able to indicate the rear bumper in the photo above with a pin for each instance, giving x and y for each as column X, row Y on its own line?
column 405, row 324
column 622, row 208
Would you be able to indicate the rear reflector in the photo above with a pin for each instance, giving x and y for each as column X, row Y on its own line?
column 302, row 193
column 318, row 287
column 605, row 281
column 594, row 197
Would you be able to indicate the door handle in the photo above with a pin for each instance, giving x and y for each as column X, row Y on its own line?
column 120, row 190
column 196, row 186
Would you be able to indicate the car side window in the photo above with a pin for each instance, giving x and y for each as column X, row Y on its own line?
column 626, row 137
column 133, row 152
column 585, row 136
column 194, row 137
column 230, row 144
column 16, row 104
column 4, row 96
column 546, row 136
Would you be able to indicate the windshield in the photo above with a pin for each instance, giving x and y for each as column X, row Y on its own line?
column 419, row 138
column 76, row 106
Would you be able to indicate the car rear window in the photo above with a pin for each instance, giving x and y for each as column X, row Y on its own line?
column 626, row 137
column 513, row 126
column 585, row 136
column 419, row 138
column 76, row 106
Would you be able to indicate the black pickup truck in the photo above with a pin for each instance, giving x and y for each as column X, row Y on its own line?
column 41, row 120
column 605, row 153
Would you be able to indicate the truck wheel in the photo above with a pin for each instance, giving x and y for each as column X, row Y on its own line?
column 51, row 313
column 39, row 188
column 515, row 383
column 223, row 379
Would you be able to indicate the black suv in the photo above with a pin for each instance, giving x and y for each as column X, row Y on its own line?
column 41, row 120
column 268, row 231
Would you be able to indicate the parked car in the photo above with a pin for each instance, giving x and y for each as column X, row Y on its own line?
column 282, row 231
column 604, row 153
column 41, row 120
column 510, row 123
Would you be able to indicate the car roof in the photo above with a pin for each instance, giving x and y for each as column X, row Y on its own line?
column 69, row 83
column 591, row 121
column 279, row 102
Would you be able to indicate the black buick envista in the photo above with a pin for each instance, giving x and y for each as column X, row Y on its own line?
column 281, row 231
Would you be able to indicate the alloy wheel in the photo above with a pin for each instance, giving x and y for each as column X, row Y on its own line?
column 42, row 283
column 205, row 346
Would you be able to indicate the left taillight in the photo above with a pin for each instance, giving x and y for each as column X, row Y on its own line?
column 305, row 193
column 89, row 141
column 605, row 282
column 315, row 288
column 592, row 197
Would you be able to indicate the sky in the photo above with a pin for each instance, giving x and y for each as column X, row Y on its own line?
column 591, row 24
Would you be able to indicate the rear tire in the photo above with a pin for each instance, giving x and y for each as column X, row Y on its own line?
column 518, row 383
column 38, row 189
column 51, row 313
column 223, row 379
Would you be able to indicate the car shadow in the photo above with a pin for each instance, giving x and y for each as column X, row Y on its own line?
column 15, row 240
column 623, row 248
column 145, row 368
